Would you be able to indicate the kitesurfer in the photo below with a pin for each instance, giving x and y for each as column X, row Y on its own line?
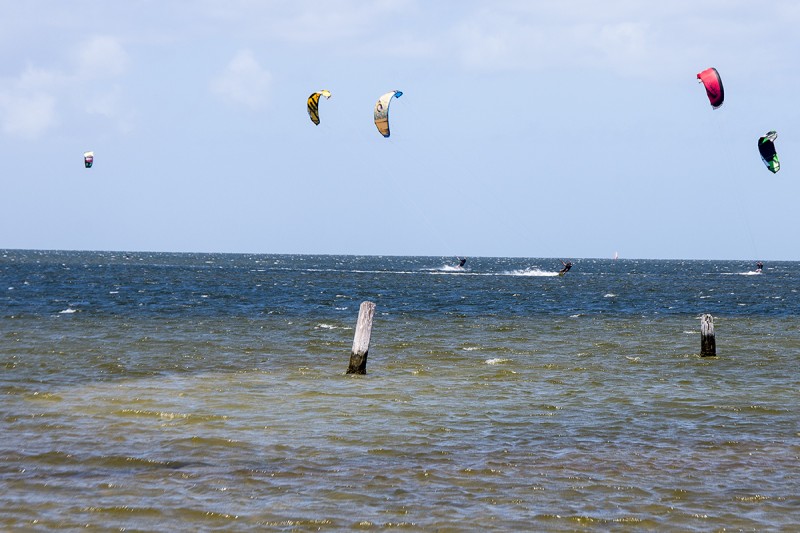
column 759, row 266
column 461, row 261
column 566, row 268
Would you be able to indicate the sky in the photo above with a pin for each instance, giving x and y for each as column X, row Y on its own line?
column 526, row 128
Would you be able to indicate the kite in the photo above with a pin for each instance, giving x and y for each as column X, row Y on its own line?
column 766, row 147
column 382, row 111
column 713, row 84
column 313, row 104
column 88, row 159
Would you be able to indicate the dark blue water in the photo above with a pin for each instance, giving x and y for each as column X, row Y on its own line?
column 109, row 284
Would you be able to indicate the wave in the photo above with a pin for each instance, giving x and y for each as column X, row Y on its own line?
column 446, row 268
column 330, row 326
column 534, row 272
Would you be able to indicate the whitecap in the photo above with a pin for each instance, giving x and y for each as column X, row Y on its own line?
column 442, row 269
column 497, row 361
column 330, row 326
column 610, row 295
column 533, row 272
column 67, row 311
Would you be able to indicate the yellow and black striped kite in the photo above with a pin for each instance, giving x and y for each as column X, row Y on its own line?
column 313, row 104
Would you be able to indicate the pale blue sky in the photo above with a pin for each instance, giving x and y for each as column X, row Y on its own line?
column 526, row 128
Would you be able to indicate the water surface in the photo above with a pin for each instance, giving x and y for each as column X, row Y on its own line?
column 207, row 392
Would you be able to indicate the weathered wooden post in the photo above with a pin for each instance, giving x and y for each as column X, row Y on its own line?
column 708, row 345
column 358, row 357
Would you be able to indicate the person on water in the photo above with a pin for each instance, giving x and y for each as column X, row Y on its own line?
column 759, row 266
column 461, row 261
column 566, row 268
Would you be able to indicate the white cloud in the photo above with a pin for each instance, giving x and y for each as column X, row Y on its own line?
column 31, row 102
column 28, row 102
column 106, row 103
column 37, row 79
column 98, row 61
column 243, row 81
column 101, row 56
column 306, row 21
column 26, row 115
column 632, row 38
column 495, row 40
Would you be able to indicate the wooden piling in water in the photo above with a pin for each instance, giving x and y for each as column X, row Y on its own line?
column 708, row 344
column 358, row 356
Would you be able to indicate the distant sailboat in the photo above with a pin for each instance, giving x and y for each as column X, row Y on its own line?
column 616, row 256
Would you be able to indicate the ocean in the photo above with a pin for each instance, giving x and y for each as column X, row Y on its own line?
column 208, row 392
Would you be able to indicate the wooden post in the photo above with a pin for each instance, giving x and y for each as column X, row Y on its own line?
column 358, row 357
column 708, row 345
